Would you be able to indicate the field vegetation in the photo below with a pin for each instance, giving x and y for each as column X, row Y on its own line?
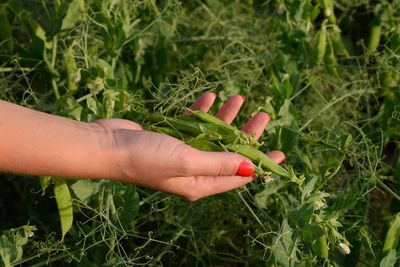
column 326, row 71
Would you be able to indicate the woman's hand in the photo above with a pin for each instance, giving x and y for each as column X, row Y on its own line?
column 164, row 163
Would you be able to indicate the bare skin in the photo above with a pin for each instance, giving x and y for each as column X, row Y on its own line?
column 37, row 143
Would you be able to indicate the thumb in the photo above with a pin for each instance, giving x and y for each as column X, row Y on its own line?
column 202, row 163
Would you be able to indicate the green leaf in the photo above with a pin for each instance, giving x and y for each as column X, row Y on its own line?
column 311, row 232
column 287, row 113
column 45, row 181
column 345, row 141
column 389, row 260
column 85, row 188
column 74, row 14
column 127, row 205
column 308, row 188
column 284, row 248
column 288, row 139
column 64, row 204
column 269, row 189
column 347, row 202
column 8, row 251
column 103, row 68
column 301, row 215
column 92, row 105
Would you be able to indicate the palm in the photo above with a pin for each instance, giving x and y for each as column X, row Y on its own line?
column 175, row 167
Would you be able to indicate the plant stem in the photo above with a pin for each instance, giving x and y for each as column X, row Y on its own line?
column 251, row 211
column 387, row 188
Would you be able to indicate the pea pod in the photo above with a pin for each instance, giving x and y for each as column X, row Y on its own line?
column 73, row 73
column 392, row 236
column 64, row 204
column 321, row 44
column 45, row 181
column 205, row 117
column 375, row 36
column 203, row 144
column 328, row 6
column 186, row 126
column 330, row 59
column 198, row 143
column 337, row 42
column 6, row 34
column 320, row 248
column 258, row 157
column 206, row 130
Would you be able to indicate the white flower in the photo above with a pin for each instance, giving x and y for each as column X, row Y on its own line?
column 328, row 12
column 344, row 248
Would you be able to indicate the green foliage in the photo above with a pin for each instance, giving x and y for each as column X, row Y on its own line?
column 330, row 87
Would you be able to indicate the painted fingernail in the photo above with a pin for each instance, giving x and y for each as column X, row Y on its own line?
column 244, row 98
column 282, row 159
column 215, row 95
column 245, row 169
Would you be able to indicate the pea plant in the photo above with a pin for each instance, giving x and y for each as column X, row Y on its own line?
column 326, row 71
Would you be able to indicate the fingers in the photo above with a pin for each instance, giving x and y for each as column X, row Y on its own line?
column 194, row 188
column 277, row 156
column 202, row 186
column 256, row 125
column 201, row 163
column 203, row 103
column 230, row 109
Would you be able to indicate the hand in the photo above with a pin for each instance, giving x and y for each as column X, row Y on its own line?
column 164, row 163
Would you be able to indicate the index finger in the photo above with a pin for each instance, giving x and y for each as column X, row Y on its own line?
column 203, row 103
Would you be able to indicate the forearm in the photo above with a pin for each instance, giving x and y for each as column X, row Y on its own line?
column 37, row 143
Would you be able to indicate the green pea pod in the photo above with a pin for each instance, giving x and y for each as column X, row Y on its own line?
column 328, row 7
column 374, row 36
column 392, row 236
column 197, row 129
column 320, row 248
column 330, row 59
column 321, row 44
column 64, row 204
column 170, row 131
column 259, row 157
column 73, row 73
column 16, row 7
column 181, row 125
column 205, row 117
column 198, row 143
column 6, row 33
column 337, row 42
column 203, row 144
column 388, row 79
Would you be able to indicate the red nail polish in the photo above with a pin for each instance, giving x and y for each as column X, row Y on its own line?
column 245, row 169
column 215, row 95
column 244, row 98
column 282, row 160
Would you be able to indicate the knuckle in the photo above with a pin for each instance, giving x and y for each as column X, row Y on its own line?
column 186, row 162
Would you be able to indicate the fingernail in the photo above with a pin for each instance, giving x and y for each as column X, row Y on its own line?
column 282, row 160
column 245, row 169
column 215, row 95
column 244, row 98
